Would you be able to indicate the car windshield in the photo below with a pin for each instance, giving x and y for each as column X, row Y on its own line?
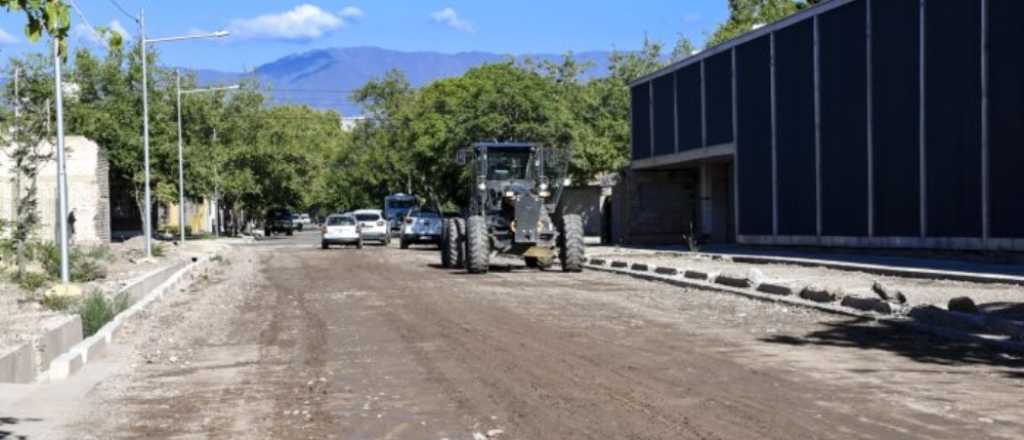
column 279, row 214
column 505, row 164
column 340, row 221
column 367, row 217
column 424, row 214
column 401, row 203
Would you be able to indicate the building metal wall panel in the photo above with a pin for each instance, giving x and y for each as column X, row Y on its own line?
column 1006, row 118
column 641, row 121
column 953, row 118
column 794, row 100
column 895, row 38
column 843, row 70
column 689, row 107
column 718, row 80
column 664, row 116
column 754, row 172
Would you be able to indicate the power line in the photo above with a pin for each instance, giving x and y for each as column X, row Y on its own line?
column 78, row 10
column 335, row 91
column 123, row 11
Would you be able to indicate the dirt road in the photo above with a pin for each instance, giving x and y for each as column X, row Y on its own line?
column 288, row 341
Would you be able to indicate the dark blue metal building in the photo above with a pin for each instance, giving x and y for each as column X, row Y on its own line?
column 861, row 123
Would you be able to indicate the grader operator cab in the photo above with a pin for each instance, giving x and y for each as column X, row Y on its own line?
column 512, row 210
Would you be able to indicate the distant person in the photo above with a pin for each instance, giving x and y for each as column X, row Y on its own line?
column 71, row 225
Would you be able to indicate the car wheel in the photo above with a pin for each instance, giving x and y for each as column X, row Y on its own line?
column 289, row 233
column 403, row 244
column 324, row 245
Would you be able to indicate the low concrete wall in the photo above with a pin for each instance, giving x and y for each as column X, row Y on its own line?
column 18, row 366
column 58, row 340
column 141, row 288
column 24, row 364
column 57, row 355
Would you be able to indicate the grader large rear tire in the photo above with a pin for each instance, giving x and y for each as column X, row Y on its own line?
column 451, row 244
column 478, row 246
column 570, row 243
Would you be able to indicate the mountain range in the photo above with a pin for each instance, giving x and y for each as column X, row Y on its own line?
column 324, row 78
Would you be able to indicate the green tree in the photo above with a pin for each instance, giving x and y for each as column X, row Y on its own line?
column 26, row 132
column 745, row 15
column 683, row 49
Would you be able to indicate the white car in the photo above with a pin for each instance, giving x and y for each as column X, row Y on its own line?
column 300, row 221
column 421, row 227
column 341, row 229
column 374, row 226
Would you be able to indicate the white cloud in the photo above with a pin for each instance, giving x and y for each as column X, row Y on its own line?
column 88, row 35
column 450, row 18
column 117, row 27
column 351, row 12
column 6, row 38
column 304, row 22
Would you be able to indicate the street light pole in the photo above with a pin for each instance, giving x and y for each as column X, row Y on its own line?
column 181, row 148
column 143, row 44
column 147, row 228
column 62, row 178
column 181, row 165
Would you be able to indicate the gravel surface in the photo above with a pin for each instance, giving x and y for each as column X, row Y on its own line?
column 23, row 318
column 918, row 291
column 288, row 341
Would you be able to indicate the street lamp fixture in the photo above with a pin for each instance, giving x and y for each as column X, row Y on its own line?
column 143, row 43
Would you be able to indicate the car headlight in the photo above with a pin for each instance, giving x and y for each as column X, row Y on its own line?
column 481, row 186
column 544, row 186
column 567, row 182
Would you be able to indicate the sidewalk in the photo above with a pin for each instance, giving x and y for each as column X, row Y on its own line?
column 927, row 281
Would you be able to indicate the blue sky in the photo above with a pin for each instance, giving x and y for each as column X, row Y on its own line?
column 265, row 30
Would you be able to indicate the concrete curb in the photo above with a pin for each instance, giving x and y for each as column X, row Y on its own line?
column 94, row 346
column 24, row 363
column 905, row 322
column 707, row 285
column 884, row 270
column 905, row 272
column 19, row 365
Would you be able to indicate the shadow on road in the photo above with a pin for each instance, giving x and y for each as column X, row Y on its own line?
column 867, row 334
column 10, row 435
column 503, row 268
column 1004, row 310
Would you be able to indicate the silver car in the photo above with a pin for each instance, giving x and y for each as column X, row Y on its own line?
column 421, row 227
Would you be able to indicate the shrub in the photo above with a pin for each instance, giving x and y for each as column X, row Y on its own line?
column 31, row 281
column 173, row 230
column 59, row 303
column 158, row 250
column 96, row 310
column 101, row 252
column 85, row 264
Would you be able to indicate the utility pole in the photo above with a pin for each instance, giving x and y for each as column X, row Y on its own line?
column 181, row 144
column 62, row 178
column 181, row 164
column 17, row 172
column 216, row 189
column 147, row 228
